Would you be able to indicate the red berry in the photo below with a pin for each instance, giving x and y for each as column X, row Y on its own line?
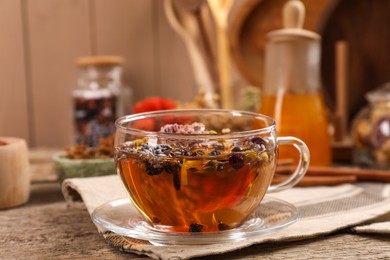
column 236, row 160
column 153, row 104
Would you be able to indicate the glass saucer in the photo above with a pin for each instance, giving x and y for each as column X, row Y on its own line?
column 122, row 218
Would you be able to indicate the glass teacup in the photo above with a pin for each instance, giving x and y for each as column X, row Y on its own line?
column 200, row 170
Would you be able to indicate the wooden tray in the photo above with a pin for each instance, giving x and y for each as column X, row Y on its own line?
column 250, row 21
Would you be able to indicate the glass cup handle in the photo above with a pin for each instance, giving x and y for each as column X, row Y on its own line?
column 303, row 164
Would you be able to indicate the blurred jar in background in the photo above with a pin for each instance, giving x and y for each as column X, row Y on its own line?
column 371, row 131
column 292, row 93
column 99, row 98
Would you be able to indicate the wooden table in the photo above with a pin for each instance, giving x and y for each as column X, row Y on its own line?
column 46, row 228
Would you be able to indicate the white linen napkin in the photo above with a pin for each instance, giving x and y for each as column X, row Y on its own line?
column 322, row 209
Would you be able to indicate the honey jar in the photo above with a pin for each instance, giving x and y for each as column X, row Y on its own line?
column 292, row 92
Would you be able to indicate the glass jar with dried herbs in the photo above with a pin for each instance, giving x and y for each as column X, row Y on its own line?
column 96, row 98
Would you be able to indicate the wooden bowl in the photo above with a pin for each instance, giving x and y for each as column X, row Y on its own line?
column 14, row 172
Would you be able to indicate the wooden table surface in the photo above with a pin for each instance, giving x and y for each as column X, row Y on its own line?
column 46, row 228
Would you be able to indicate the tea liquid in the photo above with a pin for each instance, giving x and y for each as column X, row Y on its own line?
column 197, row 193
column 302, row 116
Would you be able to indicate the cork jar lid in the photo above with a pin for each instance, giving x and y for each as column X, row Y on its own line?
column 100, row 60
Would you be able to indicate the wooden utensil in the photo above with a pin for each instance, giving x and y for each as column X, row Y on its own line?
column 199, row 9
column 184, row 17
column 220, row 10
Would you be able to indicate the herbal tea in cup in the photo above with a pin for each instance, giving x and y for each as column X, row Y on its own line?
column 200, row 170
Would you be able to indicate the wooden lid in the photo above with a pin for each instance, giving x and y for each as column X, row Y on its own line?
column 293, row 34
column 293, row 19
column 106, row 60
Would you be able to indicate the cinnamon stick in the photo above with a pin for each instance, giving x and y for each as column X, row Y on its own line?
column 310, row 181
column 285, row 162
column 341, row 113
column 359, row 173
column 284, row 168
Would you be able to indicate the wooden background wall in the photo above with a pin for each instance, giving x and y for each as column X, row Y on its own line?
column 40, row 40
